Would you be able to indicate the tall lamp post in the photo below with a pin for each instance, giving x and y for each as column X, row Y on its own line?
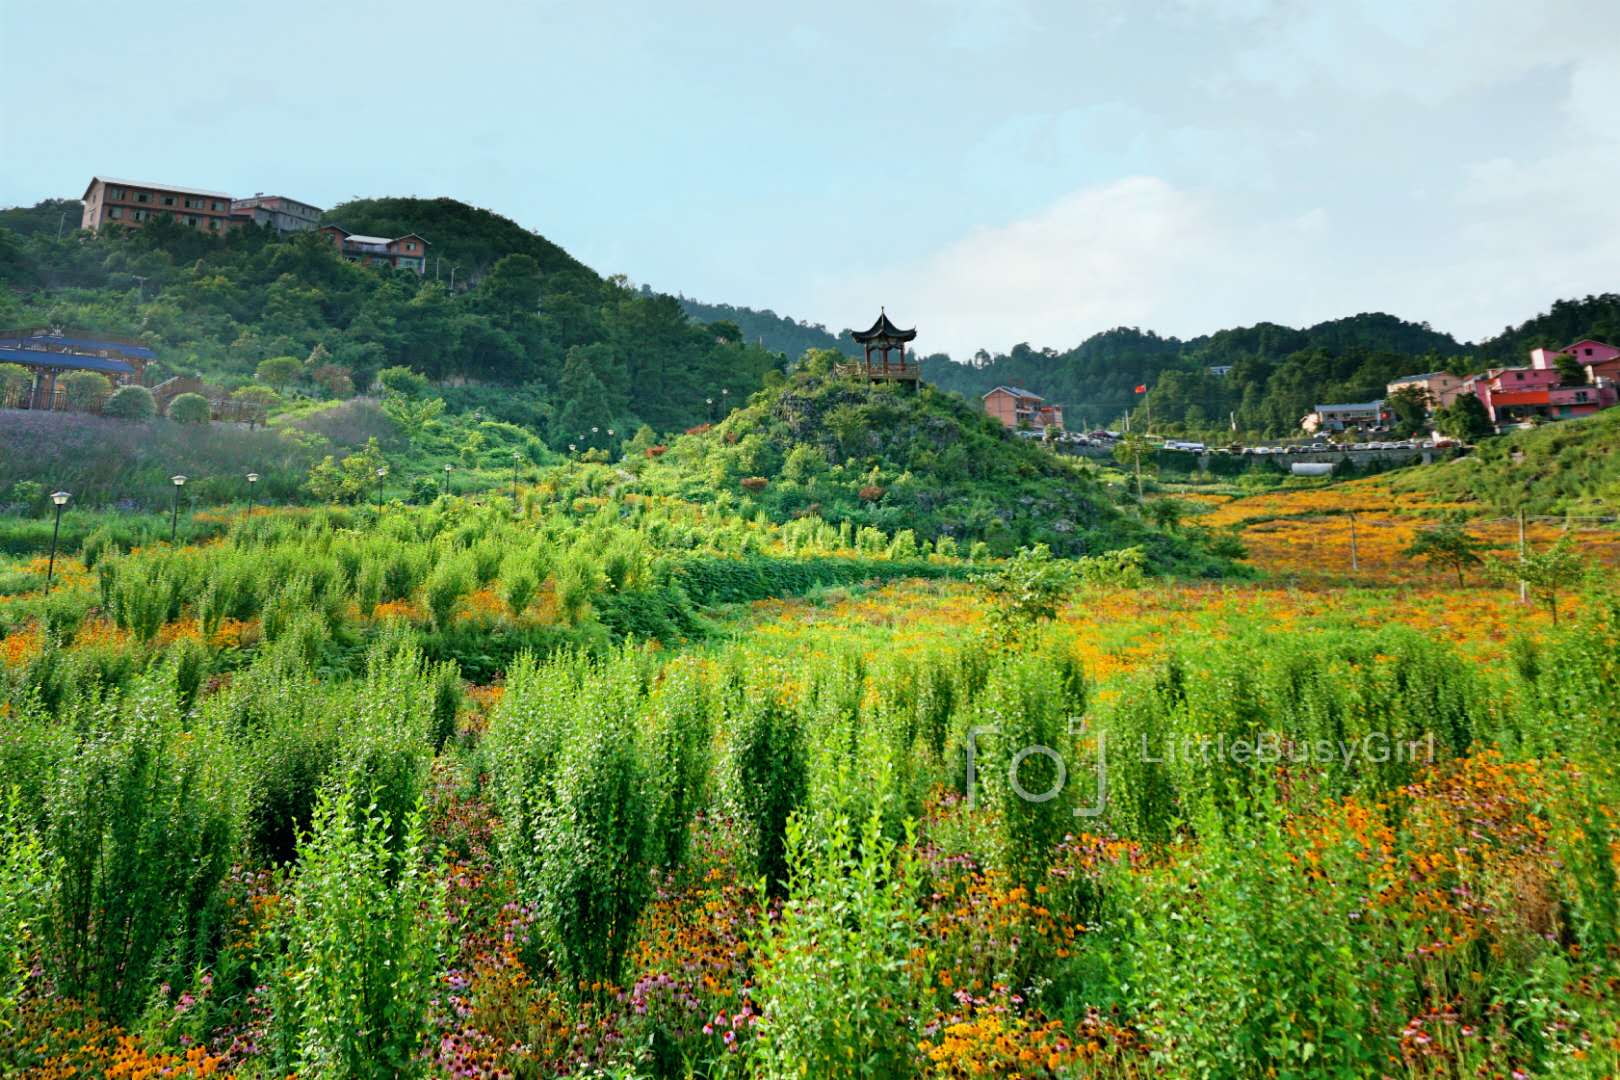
column 609, row 446
column 709, row 401
column 60, row 498
column 382, row 471
column 252, row 479
column 179, row 481
column 447, row 469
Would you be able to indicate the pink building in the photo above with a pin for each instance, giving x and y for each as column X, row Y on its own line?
column 1018, row 408
column 133, row 204
column 1599, row 359
column 1516, row 395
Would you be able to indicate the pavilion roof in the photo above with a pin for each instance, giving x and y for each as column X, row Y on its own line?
column 883, row 329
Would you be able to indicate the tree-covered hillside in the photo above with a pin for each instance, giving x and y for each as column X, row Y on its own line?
column 849, row 451
column 1568, row 321
column 1277, row 372
column 467, row 237
column 537, row 338
column 778, row 333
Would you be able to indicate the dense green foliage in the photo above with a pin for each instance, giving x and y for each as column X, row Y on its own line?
column 925, row 467
column 1572, row 467
column 585, row 351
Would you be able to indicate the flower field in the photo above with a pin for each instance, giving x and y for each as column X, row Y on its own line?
column 637, row 789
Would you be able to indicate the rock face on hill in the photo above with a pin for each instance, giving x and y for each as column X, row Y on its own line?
column 872, row 454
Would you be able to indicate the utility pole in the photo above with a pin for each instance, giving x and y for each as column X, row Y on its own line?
column 1355, row 566
column 61, row 224
column 453, row 270
column 1524, row 590
column 141, row 281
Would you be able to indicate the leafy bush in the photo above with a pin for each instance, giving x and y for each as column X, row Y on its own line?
column 361, row 945
column 763, row 773
column 84, row 390
column 143, row 821
column 190, row 409
column 838, row 971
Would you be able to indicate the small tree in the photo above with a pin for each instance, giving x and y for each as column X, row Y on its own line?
column 1132, row 452
column 85, row 390
column 403, row 382
column 1166, row 513
column 1447, row 544
column 190, row 409
column 1544, row 574
column 130, row 403
column 1410, row 404
column 1464, row 419
column 1024, row 591
column 279, row 371
column 253, row 394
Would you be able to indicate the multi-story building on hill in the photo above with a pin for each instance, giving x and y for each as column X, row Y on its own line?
column 408, row 252
column 134, row 205
column 1441, row 387
column 1019, row 408
column 278, row 212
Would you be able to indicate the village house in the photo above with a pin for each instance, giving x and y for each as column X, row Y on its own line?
column 1600, row 360
column 1355, row 416
column 408, row 252
column 1519, row 395
column 1017, row 408
column 134, row 205
column 1442, row 387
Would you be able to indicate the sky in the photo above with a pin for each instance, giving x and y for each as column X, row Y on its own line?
column 992, row 171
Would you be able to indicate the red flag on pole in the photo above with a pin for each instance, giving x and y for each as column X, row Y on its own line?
column 1142, row 389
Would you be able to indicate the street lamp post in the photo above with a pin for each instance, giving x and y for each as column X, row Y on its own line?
column 382, row 471
column 60, row 498
column 252, row 479
column 709, row 401
column 447, row 468
column 179, row 481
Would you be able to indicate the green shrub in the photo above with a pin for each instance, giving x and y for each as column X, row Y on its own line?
column 84, row 390
column 678, row 734
column 451, row 579
column 23, row 900
column 143, row 822
column 190, row 409
column 838, row 973
column 594, row 875
column 130, row 403
column 361, row 945
column 764, row 773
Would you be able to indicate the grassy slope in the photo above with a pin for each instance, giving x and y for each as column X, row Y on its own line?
column 1571, row 467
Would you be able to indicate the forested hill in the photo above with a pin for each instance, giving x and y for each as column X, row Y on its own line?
column 529, row 335
column 460, row 235
column 778, row 333
column 1569, row 320
column 1277, row 372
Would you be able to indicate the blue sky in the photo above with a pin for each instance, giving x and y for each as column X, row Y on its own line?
column 993, row 171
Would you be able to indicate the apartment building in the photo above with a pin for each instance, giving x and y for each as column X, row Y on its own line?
column 278, row 212
column 135, row 204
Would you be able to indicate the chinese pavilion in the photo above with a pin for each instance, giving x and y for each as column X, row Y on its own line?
column 882, row 340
